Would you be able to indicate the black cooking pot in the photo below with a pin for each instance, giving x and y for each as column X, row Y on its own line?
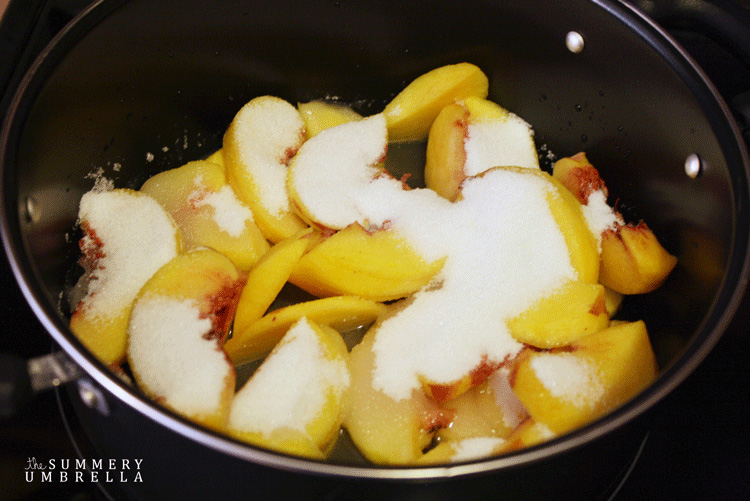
column 128, row 89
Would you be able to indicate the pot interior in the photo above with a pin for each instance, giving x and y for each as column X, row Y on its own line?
column 138, row 87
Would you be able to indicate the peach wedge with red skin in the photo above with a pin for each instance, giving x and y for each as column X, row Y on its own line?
column 411, row 113
column 567, row 388
column 127, row 237
column 294, row 402
column 472, row 136
column 208, row 212
column 578, row 175
column 633, row 261
column 263, row 136
column 179, row 321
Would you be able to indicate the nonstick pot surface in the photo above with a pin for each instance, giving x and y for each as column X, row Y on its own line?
column 138, row 87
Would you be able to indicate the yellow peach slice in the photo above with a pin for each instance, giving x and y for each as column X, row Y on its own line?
column 574, row 310
column 208, row 212
column 633, row 261
column 264, row 135
column 578, row 175
column 217, row 157
column 446, row 156
column 526, row 434
column 296, row 397
column 488, row 410
column 442, row 392
column 127, row 237
column 320, row 115
column 612, row 300
column 387, row 431
column 472, row 136
column 342, row 313
column 178, row 323
column 379, row 265
column 411, row 113
column 565, row 389
column 467, row 449
column 266, row 279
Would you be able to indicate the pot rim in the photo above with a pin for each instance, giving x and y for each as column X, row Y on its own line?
column 707, row 335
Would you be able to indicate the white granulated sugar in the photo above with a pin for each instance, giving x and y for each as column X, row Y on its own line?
column 230, row 215
column 344, row 174
column 600, row 216
column 168, row 352
column 289, row 389
column 475, row 448
column 499, row 143
column 267, row 129
column 512, row 409
column 504, row 251
column 568, row 377
column 137, row 238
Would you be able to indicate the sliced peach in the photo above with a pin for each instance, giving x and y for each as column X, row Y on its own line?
column 488, row 410
column 567, row 388
column 320, row 115
column 526, row 434
column 446, row 156
column 332, row 173
column 217, row 157
column 574, row 310
column 266, row 279
column 578, row 175
column 442, row 392
column 179, row 321
column 385, row 430
column 127, row 237
column 472, row 136
column 208, row 212
column 411, row 113
column 342, row 313
column 264, row 135
column 467, row 449
column 633, row 261
column 379, row 265
column 295, row 399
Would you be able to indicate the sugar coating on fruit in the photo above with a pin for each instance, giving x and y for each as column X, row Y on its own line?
column 507, row 142
column 475, row 448
column 599, row 215
column 230, row 215
column 504, row 252
column 569, row 378
column 502, row 247
column 268, row 131
column 513, row 411
column 127, row 238
column 344, row 174
column 170, row 352
column 291, row 386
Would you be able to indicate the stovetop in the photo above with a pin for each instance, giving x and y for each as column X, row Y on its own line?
column 698, row 444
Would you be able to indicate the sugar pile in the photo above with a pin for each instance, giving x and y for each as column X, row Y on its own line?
column 568, row 377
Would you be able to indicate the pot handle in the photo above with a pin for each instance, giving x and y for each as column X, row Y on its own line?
column 21, row 379
column 725, row 22
column 26, row 27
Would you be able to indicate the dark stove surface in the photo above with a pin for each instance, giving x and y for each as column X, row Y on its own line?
column 698, row 445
